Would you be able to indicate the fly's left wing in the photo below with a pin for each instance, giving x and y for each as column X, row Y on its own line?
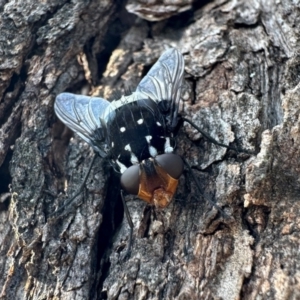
column 83, row 115
column 163, row 82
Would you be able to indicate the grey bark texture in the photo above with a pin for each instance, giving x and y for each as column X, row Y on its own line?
column 241, row 86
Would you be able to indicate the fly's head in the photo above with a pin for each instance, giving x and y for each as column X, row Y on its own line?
column 154, row 180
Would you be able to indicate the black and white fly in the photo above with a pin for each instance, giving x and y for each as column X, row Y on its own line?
column 136, row 132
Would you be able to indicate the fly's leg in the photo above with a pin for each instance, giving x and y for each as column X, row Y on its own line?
column 129, row 220
column 212, row 140
column 68, row 202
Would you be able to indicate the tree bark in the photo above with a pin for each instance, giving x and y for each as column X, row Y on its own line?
column 241, row 86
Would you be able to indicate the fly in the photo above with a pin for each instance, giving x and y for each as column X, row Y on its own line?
column 136, row 132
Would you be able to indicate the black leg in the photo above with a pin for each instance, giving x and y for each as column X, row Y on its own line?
column 68, row 202
column 212, row 140
column 126, row 211
column 224, row 215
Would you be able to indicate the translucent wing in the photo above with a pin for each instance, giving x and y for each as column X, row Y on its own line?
column 83, row 115
column 163, row 82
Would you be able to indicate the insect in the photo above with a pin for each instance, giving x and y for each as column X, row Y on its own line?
column 135, row 132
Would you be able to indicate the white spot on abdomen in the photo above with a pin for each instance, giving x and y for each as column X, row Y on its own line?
column 127, row 147
column 122, row 166
column 168, row 148
column 152, row 151
column 122, row 129
column 148, row 138
column 133, row 158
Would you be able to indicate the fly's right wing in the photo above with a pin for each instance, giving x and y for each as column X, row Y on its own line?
column 163, row 83
column 83, row 115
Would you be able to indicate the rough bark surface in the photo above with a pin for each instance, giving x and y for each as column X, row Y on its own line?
column 241, row 86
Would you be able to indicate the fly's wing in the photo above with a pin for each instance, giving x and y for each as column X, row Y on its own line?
column 83, row 114
column 163, row 82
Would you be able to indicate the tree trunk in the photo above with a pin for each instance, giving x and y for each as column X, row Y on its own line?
column 241, row 86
